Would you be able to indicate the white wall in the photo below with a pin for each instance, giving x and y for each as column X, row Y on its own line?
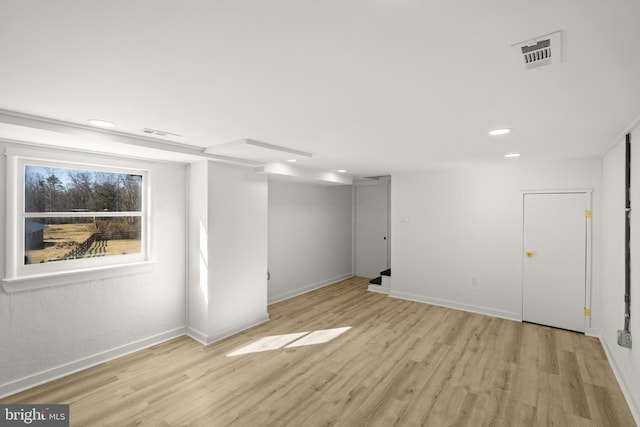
column 310, row 236
column 228, row 250
column 237, row 247
column 198, row 289
column 50, row 332
column 626, row 362
column 468, row 222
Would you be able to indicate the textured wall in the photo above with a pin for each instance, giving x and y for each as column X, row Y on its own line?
column 46, row 329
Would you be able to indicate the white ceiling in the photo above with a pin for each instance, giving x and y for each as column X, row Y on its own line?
column 376, row 87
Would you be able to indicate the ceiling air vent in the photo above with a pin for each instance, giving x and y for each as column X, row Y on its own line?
column 541, row 51
column 160, row 133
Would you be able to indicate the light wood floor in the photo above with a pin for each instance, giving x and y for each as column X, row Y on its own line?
column 401, row 364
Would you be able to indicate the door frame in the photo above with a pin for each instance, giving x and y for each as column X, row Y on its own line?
column 377, row 181
column 588, row 249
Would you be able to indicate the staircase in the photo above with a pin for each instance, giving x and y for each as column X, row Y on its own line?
column 382, row 283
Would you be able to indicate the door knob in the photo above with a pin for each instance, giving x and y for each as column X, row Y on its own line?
column 529, row 254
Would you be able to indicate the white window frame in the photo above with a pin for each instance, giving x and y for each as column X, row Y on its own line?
column 19, row 276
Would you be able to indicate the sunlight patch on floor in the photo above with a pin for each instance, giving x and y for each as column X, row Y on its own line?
column 298, row 339
column 273, row 342
column 319, row 337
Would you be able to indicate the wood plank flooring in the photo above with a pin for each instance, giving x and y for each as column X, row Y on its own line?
column 401, row 363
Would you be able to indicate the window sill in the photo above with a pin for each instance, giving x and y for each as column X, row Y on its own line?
column 26, row 283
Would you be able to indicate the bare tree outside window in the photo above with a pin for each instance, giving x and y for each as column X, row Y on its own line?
column 73, row 214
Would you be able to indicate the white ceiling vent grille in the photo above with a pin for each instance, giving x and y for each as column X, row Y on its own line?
column 160, row 133
column 540, row 52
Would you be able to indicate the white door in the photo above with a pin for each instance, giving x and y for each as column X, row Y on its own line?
column 554, row 273
column 371, row 229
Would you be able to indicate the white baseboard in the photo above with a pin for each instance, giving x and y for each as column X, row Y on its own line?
column 378, row 289
column 51, row 374
column 205, row 339
column 634, row 405
column 66, row 369
column 195, row 334
column 592, row 332
column 308, row 288
column 458, row 306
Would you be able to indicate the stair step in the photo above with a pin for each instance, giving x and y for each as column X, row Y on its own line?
column 387, row 272
column 376, row 281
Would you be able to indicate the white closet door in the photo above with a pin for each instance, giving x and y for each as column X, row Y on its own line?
column 554, row 273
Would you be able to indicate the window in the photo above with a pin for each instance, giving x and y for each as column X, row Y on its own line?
column 68, row 218
column 72, row 214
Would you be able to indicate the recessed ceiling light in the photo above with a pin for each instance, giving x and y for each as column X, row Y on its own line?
column 502, row 131
column 101, row 123
column 342, row 170
column 292, row 160
column 512, row 155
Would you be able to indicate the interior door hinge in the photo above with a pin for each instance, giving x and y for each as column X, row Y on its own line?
column 587, row 213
